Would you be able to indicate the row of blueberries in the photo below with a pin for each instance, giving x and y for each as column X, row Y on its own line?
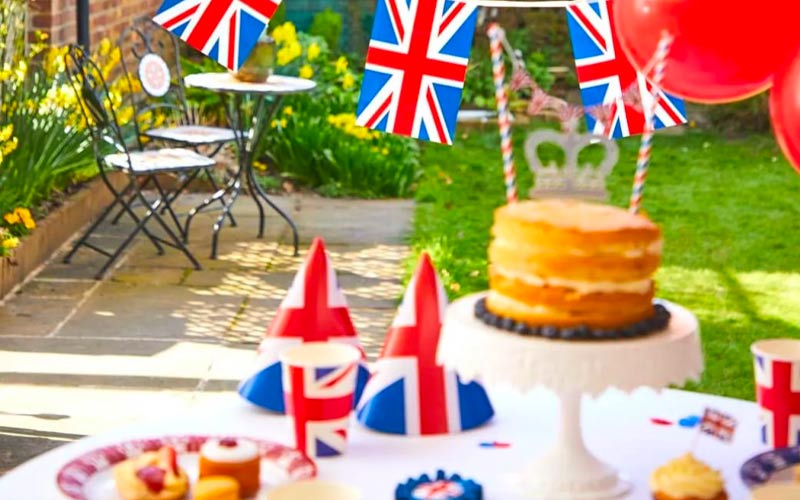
column 655, row 323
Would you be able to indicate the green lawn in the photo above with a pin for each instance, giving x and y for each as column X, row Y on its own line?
column 731, row 220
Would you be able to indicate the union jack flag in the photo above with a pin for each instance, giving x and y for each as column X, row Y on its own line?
column 718, row 424
column 224, row 30
column 409, row 393
column 321, row 408
column 606, row 76
column 416, row 65
column 778, row 392
column 314, row 310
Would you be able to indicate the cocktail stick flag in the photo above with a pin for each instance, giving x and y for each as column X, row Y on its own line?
column 224, row 30
column 718, row 424
column 314, row 310
column 416, row 65
column 608, row 79
column 408, row 392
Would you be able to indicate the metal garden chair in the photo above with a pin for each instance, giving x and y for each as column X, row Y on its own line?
column 113, row 154
column 151, row 63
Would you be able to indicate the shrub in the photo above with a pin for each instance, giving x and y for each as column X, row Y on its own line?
column 748, row 116
column 327, row 25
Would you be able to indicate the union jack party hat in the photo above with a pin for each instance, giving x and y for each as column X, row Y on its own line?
column 408, row 392
column 314, row 310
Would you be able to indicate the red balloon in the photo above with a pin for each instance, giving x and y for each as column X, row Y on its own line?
column 784, row 108
column 723, row 50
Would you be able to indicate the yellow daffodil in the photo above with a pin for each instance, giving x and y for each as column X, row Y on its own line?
column 284, row 33
column 258, row 165
column 23, row 213
column 12, row 218
column 288, row 111
column 313, row 51
column 279, row 123
column 11, row 243
column 385, row 151
column 306, row 71
column 341, row 65
column 105, row 47
column 6, row 132
column 348, row 81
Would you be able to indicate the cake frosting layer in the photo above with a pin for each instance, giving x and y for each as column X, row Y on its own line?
column 569, row 263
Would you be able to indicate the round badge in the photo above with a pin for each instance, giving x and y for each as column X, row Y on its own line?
column 154, row 75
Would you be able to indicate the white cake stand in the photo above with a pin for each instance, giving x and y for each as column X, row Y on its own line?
column 570, row 369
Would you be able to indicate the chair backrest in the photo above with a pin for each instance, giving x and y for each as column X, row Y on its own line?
column 151, row 61
column 96, row 103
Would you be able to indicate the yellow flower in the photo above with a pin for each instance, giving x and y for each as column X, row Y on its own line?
column 341, row 65
column 11, row 243
column 23, row 213
column 313, row 51
column 258, row 165
column 289, row 53
column 105, row 47
column 288, row 111
column 9, row 147
column 348, row 81
column 286, row 32
column 306, row 71
column 12, row 218
column 385, row 151
column 279, row 123
column 6, row 132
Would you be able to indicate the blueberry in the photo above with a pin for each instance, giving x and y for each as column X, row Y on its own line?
column 522, row 328
column 494, row 320
column 569, row 333
column 507, row 324
column 550, row 332
column 628, row 332
column 582, row 332
column 599, row 333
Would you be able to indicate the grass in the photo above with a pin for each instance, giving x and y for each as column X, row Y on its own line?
column 728, row 208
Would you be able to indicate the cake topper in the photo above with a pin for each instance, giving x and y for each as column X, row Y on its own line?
column 574, row 179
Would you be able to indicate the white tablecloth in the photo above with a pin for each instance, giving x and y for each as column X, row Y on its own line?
column 617, row 429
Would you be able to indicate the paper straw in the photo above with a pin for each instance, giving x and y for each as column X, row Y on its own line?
column 503, row 118
column 646, row 146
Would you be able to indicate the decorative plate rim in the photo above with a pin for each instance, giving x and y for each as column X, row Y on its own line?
column 72, row 476
column 753, row 469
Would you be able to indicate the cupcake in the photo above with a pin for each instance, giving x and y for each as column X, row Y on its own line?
column 153, row 475
column 686, row 478
column 237, row 458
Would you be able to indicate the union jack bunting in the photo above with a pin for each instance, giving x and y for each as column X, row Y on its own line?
column 409, row 393
column 607, row 77
column 314, row 310
column 320, row 406
column 718, row 424
column 415, row 69
column 224, row 30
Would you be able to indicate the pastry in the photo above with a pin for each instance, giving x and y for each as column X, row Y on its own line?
column 237, row 458
column 153, row 475
column 568, row 264
column 776, row 491
column 687, row 478
column 441, row 487
column 216, row 488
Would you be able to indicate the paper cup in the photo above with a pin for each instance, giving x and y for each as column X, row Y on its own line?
column 777, row 369
column 319, row 382
column 314, row 490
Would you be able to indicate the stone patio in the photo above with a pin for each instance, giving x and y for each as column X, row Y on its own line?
column 78, row 356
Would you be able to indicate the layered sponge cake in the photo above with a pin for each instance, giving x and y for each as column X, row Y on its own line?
column 566, row 263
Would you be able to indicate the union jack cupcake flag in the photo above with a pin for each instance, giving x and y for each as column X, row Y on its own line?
column 416, row 66
column 314, row 310
column 224, row 30
column 408, row 392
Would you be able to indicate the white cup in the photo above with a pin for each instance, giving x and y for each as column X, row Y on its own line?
column 315, row 490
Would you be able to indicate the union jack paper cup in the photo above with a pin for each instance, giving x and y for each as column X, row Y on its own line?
column 319, row 381
column 777, row 368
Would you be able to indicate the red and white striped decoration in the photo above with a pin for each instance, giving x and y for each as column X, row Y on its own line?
column 496, row 35
column 646, row 146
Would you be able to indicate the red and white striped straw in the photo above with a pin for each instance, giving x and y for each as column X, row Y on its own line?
column 646, row 146
column 496, row 35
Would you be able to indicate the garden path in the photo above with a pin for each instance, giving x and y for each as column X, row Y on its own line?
column 79, row 357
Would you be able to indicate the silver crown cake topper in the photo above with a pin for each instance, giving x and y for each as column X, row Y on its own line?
column 573, row 179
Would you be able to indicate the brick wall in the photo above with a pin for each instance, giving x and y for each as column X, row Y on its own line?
column 106, row 20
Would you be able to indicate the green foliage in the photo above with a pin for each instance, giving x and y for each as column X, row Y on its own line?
column 728, row 210
column 327, row 25
column 744, row 117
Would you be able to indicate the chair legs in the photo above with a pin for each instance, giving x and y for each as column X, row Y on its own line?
column 130, row 194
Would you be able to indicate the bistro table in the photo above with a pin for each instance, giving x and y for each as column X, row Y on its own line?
column 617, row 426
column 254, row 118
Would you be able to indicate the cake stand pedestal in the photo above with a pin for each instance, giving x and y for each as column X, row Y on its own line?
column 571, row 369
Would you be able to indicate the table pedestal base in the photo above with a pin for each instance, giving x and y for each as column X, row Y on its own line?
column 568, row 470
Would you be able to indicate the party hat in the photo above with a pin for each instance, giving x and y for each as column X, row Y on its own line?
column 314, row 310
column 408, row 392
